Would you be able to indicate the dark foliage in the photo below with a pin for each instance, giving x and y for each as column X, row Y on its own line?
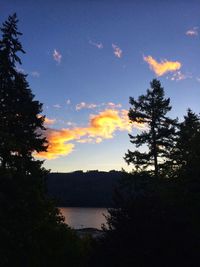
column 154, row 224
column 186, row 153
column 83, row 189
column 32, row 232
column 151, row 110
column 156, row 220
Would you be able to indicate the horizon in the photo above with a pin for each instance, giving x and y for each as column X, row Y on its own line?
column 84, row 61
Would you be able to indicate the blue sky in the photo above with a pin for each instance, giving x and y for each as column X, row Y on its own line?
column 85, row 58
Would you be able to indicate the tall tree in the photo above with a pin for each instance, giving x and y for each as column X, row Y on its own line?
column 20, row 122
column 186, row 153
column 151, row 110
column 32, row 231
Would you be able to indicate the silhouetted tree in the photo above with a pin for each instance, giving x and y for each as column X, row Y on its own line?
column 151, row 110
column 20, row 120
column 32, row 231
column 155, row 223
column 186, row 153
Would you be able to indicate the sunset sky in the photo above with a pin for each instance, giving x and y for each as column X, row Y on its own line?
column 85, row 58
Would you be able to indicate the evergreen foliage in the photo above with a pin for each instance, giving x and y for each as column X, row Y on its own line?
column 151, row 110
column 186, row 153
column 20, row 120
column 155, row 222
column 32, row 231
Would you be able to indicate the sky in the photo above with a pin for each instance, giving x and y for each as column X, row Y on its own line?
column 84, row 59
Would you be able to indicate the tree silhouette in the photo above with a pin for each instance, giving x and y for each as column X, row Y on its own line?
column 32, row 231
column 20, row 120
column 151, row 109
column 186, row 153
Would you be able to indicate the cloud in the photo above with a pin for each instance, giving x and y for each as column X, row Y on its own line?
column 109, row 105
column 57, row 106
column 113, row 105
column 198, row 79
column 97, row 45
column 68, row 101
column 163, row 67
column 192, row 32
column 178, row 76
column 35, row 74
column 70, row 123
column 101, row 126
column 57, row 56
column 117, row 51
column 48, row 121
column 85, row 105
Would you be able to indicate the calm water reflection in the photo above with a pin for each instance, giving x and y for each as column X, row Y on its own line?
column 84, row 217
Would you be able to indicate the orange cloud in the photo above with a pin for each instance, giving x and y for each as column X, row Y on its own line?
column 101, row 126
column 48, row 121
column 163, row 67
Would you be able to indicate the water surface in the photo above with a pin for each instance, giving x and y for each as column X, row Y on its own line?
column 84, row 217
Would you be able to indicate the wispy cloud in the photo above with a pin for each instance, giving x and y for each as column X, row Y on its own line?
column 57, row 106
column 163, row 67
column 117, row 51
column 57, row 56
column 109, row 105
column 101, row 126
column 198, row 79
column 178, row 76
column 68, row 101
column 113, row 105
column 192, row 32
column 35, row 74
column 98, row 45
column 85, row 105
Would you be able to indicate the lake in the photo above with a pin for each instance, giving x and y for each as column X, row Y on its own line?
column 79, row 218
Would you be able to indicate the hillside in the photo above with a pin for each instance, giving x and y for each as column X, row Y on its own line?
column 83, row 189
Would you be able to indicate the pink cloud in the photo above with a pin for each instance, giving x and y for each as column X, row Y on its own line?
column 192, row 32
column 117, row 51
column 57, row 56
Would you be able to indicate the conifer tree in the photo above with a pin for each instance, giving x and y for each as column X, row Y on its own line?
column 186, row 153
column 32, row 231
column 151, row 109
column 20, row 122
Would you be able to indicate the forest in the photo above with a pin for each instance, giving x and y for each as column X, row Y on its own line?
column 154, row 219
column 83, row 189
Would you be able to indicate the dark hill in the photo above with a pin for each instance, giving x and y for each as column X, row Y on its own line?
column 83, row 189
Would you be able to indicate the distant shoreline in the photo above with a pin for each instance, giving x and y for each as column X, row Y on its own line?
column 91, row 189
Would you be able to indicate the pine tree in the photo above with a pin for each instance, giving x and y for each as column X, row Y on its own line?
column 186, row 153
column 151, row 110
column 20, row 123
column 32, row 231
